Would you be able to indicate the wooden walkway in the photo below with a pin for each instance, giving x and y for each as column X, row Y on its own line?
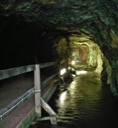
column 21, row 99
column 23, row 116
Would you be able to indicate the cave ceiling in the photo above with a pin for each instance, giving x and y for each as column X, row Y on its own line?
column 65, row 14
column 95, row 18
column 25, row 21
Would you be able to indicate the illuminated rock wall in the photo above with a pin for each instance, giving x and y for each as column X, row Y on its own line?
column 53, row 19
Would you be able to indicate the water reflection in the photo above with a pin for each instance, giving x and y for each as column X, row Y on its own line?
column 62, row 98
column 84, row 103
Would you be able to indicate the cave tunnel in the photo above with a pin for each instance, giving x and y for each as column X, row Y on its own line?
column 79, row 53
column 82, row 35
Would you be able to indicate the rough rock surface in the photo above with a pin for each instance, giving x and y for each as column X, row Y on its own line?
column 29, row 22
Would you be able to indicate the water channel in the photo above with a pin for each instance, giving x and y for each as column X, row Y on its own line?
column 84, row 103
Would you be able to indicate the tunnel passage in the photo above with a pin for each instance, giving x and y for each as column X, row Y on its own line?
column 35, row 24
column 81, row 53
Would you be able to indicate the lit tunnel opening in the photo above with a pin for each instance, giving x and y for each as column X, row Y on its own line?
column 80, row 54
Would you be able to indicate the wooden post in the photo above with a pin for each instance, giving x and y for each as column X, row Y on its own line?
column 50, row 111
column 37, row 83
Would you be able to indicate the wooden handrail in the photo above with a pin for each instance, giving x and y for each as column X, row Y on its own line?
column 36, row 90
column 5, row 111
column 7, row 73
column 44, row 65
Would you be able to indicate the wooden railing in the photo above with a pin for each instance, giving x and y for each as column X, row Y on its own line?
column 4, row 74
column 20, row 70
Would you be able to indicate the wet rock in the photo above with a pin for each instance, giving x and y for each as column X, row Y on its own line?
column 98, row 18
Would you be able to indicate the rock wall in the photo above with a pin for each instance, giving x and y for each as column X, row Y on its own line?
column 95, row 18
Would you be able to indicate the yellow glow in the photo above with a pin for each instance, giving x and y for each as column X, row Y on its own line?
column 63, row 97
column 81, row 72
column 73, row 69
column 72, row 88
column 69, row 68
column 73, row 75
column 73, row 85
column 63, row 71
column 73, row 62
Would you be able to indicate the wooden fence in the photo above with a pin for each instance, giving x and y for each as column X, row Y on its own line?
column 39, row 101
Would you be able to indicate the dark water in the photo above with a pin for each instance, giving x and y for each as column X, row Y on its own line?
column 85, row 103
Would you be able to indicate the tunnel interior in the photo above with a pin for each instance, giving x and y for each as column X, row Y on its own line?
column 80, row 35
column 80, row 54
